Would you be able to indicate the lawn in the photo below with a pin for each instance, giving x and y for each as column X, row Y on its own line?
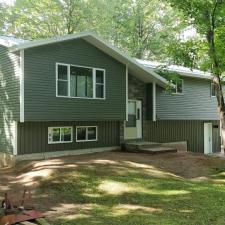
column 126, row 188
column 128, row 191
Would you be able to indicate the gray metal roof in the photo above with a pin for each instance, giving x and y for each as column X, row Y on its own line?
column 183, row 71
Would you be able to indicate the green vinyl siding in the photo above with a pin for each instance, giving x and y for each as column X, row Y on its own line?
column 9, row 97
column 41, row 103
column 191, row 131
column 195, row 103
column 33, row 136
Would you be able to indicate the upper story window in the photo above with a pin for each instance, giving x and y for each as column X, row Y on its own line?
column 80, row 82
column 213, row 90
column 178, row 89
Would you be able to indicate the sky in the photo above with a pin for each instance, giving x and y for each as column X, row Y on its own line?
column 9, row 2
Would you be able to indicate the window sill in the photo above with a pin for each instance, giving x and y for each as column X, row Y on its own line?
column 60, row 142
column 179, row 94
column 86, row 140
column 80, row 98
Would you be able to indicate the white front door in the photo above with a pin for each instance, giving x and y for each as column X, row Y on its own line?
column 207, row 138
column 133, row 127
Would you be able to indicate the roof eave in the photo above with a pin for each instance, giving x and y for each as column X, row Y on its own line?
column 102, row 44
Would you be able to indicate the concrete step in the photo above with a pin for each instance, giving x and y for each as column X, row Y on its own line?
column 157, row 150
column 147, row 147
column 134, row 146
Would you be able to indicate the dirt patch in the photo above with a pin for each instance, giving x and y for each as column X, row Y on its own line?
column 29, row 173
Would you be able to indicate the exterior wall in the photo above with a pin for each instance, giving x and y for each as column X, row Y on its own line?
column 41, row 103
column 33, row 136
column 195, row 103
column 191, row 131
column 9, row 98
column 137, row 90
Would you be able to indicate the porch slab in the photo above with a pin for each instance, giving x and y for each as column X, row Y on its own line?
column 147, row 147
column 157, row 150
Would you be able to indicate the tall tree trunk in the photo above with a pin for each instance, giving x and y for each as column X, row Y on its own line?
column 220, row 105
column 216, row 68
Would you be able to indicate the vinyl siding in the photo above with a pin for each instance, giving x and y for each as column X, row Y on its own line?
column 195, row 103
column 41, row 103
column 33, row 136
column 9, row 97
column 191, row 131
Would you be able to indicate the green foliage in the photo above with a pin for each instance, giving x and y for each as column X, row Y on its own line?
column 171, row 76
column 143, row 28
column 191, row 54
column 146, row 28
column 207, row 17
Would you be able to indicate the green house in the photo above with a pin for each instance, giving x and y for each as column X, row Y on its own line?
column 78, row 93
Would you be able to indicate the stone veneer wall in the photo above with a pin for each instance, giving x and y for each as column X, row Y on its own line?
column 137, row 91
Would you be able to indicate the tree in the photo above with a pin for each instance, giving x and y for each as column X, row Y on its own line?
column 32, row 19
column 208, row 17
column 146, row 28
column 143, row 28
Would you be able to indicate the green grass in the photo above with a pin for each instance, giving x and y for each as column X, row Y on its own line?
column 135, row 194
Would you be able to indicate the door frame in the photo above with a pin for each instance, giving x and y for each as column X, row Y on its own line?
column 141, row 119
column 208, row 138
column 137, row 101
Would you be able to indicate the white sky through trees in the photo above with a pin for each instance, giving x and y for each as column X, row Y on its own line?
column 8, row 2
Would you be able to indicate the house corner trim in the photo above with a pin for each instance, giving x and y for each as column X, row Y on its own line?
column 21, row 85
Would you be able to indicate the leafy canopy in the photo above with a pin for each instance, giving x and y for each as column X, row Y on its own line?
column 208, row 18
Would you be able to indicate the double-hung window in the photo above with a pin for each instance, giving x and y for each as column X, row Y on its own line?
column 178, row 89
column 99, row 83
column 213, row 90
column 80, row 82
column 62, row 80
column 60, row 135
column 86, row 133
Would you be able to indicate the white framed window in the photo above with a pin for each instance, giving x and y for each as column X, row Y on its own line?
column 75, row 81
column 58, row 135
column 86, row 133
column 213, row 90
column 178, row 89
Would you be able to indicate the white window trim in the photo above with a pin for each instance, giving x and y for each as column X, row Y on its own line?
column 60, row 142
column 87, row 133
column 93, row 77
column 178, row 93
column 212, row 96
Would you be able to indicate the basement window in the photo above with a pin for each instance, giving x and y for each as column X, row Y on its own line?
column 60, row 135
column 86, row 133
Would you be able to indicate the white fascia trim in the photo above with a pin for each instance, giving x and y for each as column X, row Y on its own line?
column 90, row 36
column 127, row 83
column 46, row 41
column 154, row 101
column 21, row 85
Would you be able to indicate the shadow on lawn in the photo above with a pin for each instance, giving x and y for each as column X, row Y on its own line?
column 124, row 192
column 123, row 189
